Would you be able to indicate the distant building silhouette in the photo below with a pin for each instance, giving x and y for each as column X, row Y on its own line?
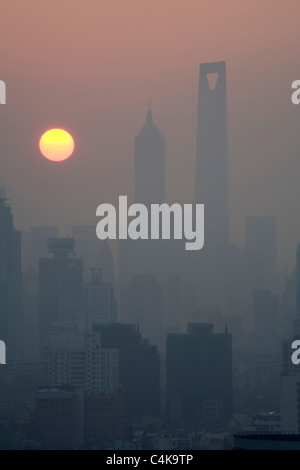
column 38, row 243
column 212, row 166
column 160, row 257
column 216, row 267
column 149, row 164
column 100, row 306
column 266, row 312
column 95, row 253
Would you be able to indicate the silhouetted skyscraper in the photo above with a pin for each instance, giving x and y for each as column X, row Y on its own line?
column 149, row 159
column 160, row 257
column 10, row 284
column 60, row 287
column 261, row 253
column 212, row 167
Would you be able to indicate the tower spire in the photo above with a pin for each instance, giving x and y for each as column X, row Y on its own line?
column 149, row 114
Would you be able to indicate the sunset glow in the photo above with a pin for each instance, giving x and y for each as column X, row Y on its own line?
column 56, row 145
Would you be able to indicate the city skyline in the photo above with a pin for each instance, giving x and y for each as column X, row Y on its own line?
column 149, row 229
column 263, row 125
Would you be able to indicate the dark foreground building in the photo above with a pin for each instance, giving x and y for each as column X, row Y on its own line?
column 199, row 375
column 139, row 368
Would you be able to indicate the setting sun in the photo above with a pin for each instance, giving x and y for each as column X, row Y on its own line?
column 56, row 145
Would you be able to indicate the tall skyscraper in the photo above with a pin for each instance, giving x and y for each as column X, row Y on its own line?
column 10, row 284
column 261, row 253
column 100, row 306
column 215, row 266
column 212, row 166
column 149, row 164
column 160, row 257
column 60, row 287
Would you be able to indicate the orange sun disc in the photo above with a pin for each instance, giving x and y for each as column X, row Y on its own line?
column 56, row 145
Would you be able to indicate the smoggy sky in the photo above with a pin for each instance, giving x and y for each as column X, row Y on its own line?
column 90, row 66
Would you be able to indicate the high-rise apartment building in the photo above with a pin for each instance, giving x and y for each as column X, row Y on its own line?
column 79, row 360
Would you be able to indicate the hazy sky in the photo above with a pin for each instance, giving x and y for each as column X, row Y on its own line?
column 90, row 66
